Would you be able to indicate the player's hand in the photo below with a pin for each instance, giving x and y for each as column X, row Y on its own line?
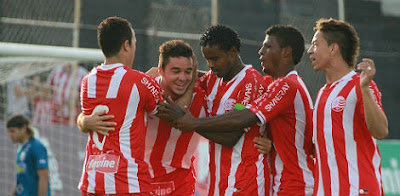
column 99, row 122
column 368, row 70
column 262, row 143
column 169, row 111
column 153, row 72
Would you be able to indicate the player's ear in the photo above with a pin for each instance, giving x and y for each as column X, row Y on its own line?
column 160, row 71
column 126, row 46
column 287, row 51
column 233, row 52
column 334, row 49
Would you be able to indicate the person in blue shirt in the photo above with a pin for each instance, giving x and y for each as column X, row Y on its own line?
column 31, row 161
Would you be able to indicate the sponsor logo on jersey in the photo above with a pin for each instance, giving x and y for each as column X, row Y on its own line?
column 278, row 96
column 338, row 104
column 104, row 163
column 42, row 161
column 145, row 81
column 247, row 93
column 163, row 188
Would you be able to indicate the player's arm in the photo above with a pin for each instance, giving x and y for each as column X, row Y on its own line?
column 12, row 192
column 228, row 138
column 227, row 122
column 375, row 118
column 43, row 175
column 97, row 121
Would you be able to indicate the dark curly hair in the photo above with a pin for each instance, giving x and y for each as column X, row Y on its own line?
column 289, row 36
column 342, row 33
column 221, row 36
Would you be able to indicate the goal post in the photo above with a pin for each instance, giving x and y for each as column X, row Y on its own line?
column 71, row 53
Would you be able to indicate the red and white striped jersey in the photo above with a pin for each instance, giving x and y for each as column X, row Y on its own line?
column 63, row 85
column 348, row 158
column 241, row 169
column 43, row 111
column 287, row 108
column 167, row 148
column 115, row 163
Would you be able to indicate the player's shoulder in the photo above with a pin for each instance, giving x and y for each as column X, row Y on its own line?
column 37, row 144
column 198, row 92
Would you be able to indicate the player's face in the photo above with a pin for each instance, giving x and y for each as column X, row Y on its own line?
column 319, row 52
column 176, row 76
column 219, row 61
column 16, row 134
column 270, row 55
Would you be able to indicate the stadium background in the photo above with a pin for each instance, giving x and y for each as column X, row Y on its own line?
column 56, row 23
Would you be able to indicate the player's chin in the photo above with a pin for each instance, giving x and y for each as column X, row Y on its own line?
column 179, row 92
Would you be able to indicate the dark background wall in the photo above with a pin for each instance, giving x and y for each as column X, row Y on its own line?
column 379, row 33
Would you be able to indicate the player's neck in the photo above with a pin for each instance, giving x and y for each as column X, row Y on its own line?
column 115, row 60
column 336, row 71
column 283, row 71
column 25, row 139
column 236, row 68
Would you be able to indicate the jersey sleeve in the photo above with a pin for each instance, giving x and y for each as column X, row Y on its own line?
column 202, row 81
column 152, row 93
column 279, row 95
column 40, row 156
column 83, row 96
column 253, row 88
column 198, row 107
column 376, row 95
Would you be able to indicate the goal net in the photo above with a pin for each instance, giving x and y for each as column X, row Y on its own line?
column 24, row 88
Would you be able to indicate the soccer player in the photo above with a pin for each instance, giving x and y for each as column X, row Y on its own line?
column 168, row 152
column 236, row 167
column 286, row 107
column 31, row 161
column 114, row 163
column 348, row 114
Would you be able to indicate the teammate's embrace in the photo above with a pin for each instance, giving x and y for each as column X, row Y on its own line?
column 114, row 163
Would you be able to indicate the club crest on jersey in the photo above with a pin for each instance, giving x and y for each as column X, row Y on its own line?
column 22, row 156
column 103, row 163
column 338, row 104
column 229, row 104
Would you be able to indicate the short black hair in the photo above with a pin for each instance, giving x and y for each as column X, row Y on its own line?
column 222, row 36
column 289, row 36
column 112, row 32
column 174, row 48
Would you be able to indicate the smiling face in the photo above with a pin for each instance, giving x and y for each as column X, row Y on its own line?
column 270, row 55
column 176, row 76
column 219, row 61
column 319, row 52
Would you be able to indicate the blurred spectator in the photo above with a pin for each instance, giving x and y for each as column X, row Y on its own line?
column 65, row 87
column 43, row 104
column 17, row 93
